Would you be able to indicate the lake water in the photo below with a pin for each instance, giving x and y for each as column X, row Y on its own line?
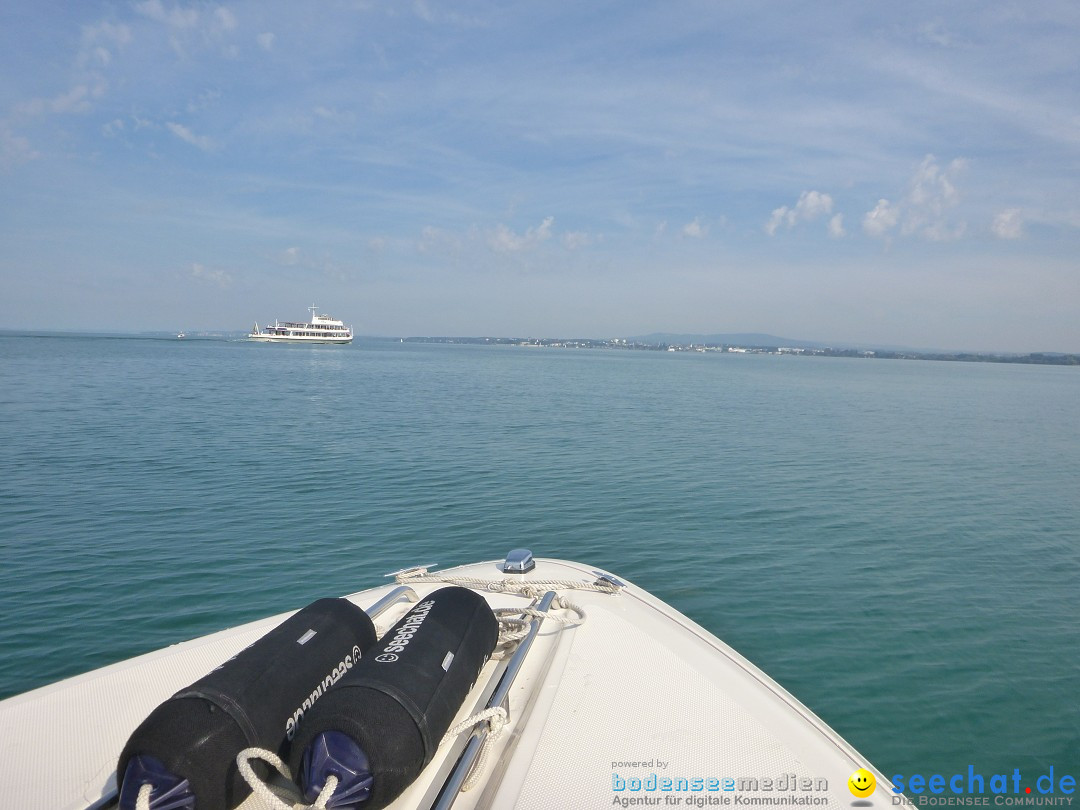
column 896, row 542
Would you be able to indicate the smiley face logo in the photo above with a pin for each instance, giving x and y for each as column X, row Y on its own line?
column 861, row 783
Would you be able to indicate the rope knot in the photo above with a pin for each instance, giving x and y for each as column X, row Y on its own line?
column 267, row 796
column 496, row 719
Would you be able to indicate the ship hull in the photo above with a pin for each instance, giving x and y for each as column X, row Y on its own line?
column 277, row 339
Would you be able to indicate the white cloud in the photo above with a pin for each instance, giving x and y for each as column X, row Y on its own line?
column 93, row 57
column 98, row 44
column 424, row 11
column 76, row 100
column 933, row 192
column 501, row 239
column 936, row 33
column 941, row 231
column 438, row 241
column 217, row 277
column 776, row 220
column 266, row 41
column 810, row 206
column 97, row 40
column 224, row 20
column 14, row 149
column 813, row 204
column 174, row 17
column 440, row 14
column 504, row 240
column 109, row 32
column 205, row 100
column 573, row 240
column 186, row 135
column 333, row 115
column 193, row 28
column 290, row 256
column 925, row 209
column 695, row 229
column 882, row 219
column 1009, row 224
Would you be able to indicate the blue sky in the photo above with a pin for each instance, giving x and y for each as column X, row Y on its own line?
column 847, row 171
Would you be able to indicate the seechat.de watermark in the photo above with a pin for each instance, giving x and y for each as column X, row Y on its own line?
column 975, row 789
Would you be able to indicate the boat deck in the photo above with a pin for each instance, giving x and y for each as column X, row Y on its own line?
column 611, row 708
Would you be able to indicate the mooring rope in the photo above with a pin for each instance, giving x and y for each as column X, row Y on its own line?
column 263, row 791
column 532, row 588
column 495, row 718
column 512, row 628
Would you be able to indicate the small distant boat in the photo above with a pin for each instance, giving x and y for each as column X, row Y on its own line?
column 320, row 329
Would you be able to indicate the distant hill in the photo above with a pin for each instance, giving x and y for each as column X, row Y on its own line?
column 760, row 339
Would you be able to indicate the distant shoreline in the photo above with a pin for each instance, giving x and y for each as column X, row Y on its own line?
column 792, row 348
column 1032, row 358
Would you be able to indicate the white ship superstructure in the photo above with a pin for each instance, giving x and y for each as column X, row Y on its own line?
column 321, row 329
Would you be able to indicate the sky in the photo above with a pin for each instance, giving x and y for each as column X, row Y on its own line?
column 859, row 172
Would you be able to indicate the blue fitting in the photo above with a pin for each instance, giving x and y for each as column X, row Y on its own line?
column 332, row 753
column 167, row 790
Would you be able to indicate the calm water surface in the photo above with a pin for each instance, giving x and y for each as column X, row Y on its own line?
column 896, row 542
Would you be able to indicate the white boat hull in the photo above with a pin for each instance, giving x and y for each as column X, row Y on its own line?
column 635, row 695
column 298, row 339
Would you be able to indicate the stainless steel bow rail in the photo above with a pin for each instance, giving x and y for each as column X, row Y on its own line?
column 502, row 679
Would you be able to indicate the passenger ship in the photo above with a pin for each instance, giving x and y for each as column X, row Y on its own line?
column 321, row 329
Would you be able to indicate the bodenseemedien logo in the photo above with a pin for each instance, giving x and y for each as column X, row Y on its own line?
column 783, row 790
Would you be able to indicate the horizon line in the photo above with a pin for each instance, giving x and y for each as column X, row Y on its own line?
column 695, row 339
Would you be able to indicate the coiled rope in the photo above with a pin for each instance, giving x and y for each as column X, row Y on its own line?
column 513, row 629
